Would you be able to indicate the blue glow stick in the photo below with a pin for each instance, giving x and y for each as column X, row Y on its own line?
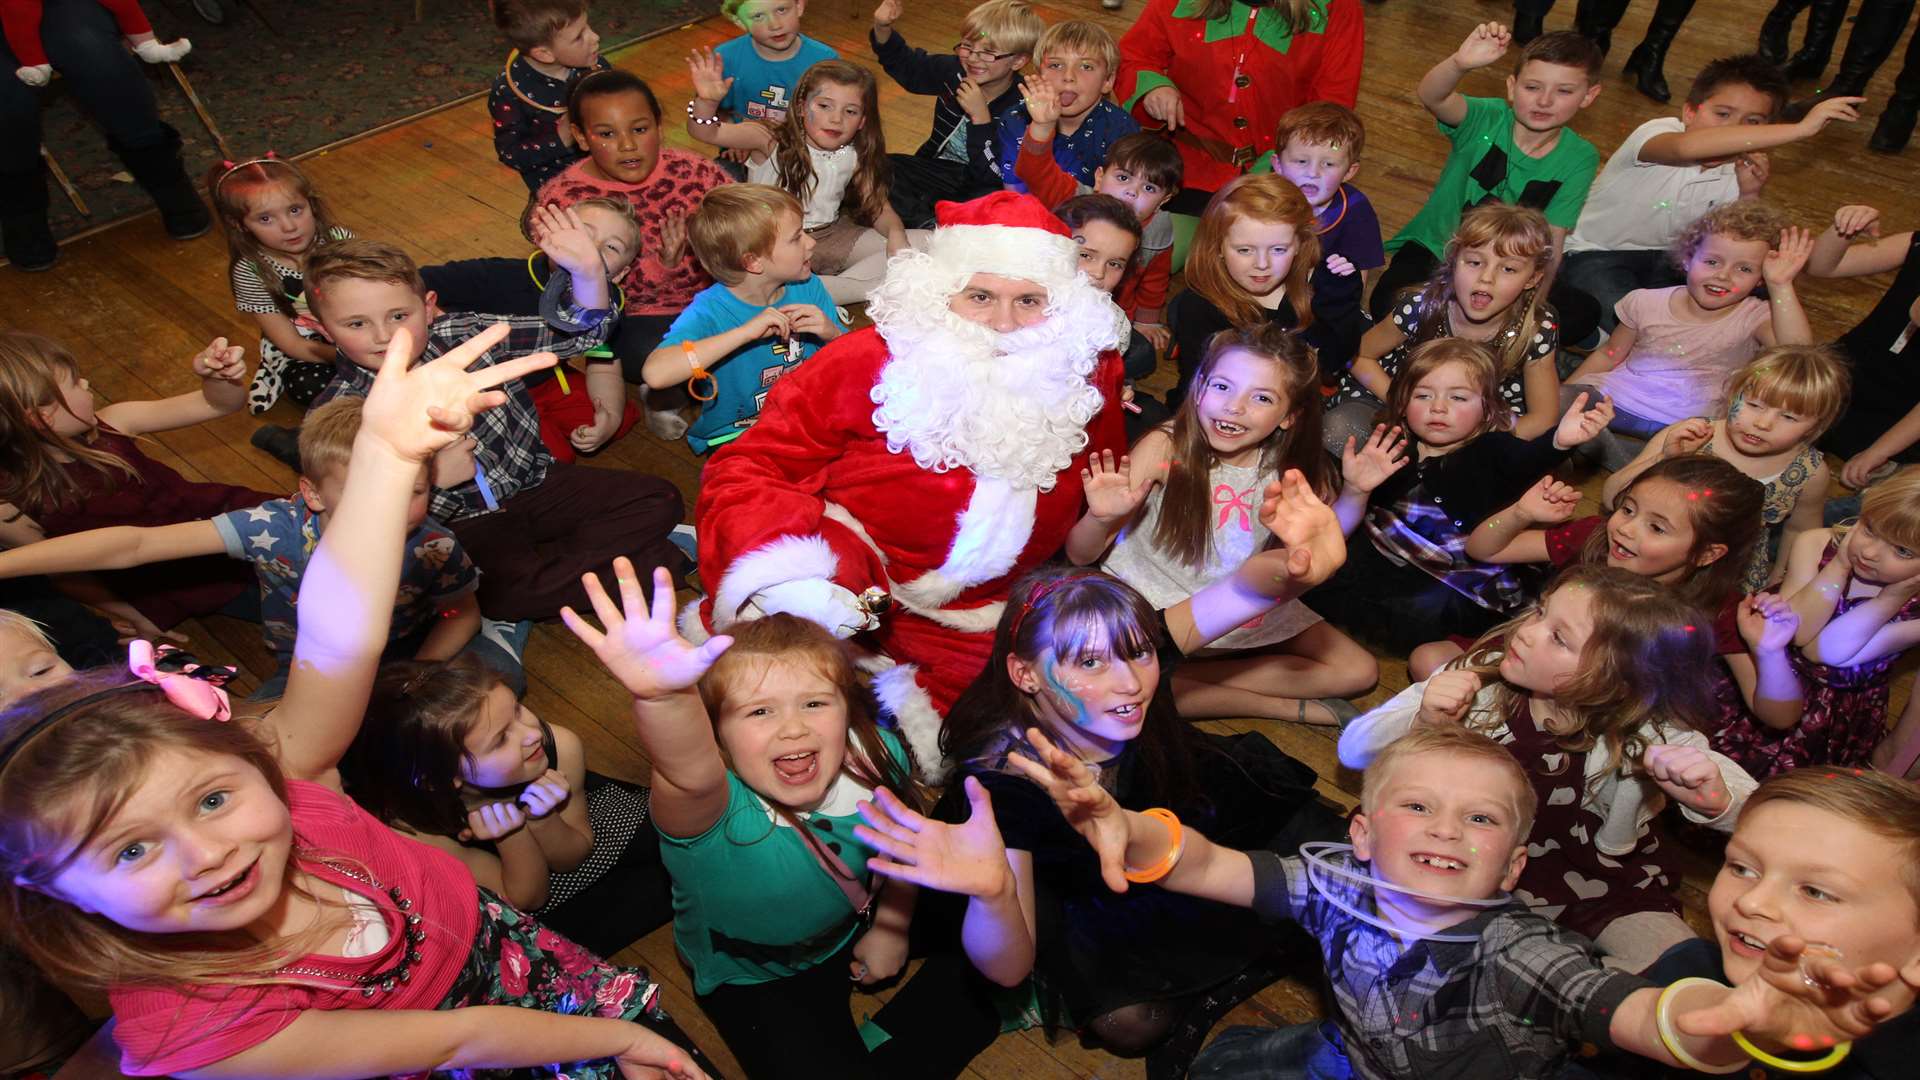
column 486, row 489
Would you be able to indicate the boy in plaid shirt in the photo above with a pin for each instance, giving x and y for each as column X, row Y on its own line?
column 531, row 524
column 1498, row 991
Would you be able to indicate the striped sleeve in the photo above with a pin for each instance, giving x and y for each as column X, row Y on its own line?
column 249, row 292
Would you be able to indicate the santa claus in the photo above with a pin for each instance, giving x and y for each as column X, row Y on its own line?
column 898, row 482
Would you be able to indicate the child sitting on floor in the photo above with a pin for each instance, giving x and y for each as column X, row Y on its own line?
column 1317, row 146
column 553, row 48
column 969, row 87
column 1518, row 151
column 766, row 314
column 1079, row 60
column 531, row 524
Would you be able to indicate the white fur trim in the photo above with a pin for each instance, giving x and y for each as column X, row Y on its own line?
column 691, row 626
column 787, row 558
column 989, row 536
column 927, row 602
column 913, row 712
column 1006, row 250
column 973, row 620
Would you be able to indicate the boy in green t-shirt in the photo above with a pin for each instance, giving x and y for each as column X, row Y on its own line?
column 1517, row 151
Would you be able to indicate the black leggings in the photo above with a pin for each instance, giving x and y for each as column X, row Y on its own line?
column 1413, row 264
column 798, row 1027
column 84, row 46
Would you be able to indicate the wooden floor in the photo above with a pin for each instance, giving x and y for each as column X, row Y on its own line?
column 135, row 306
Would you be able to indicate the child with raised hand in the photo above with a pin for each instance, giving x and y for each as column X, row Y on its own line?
column 1670, row 170
column 1177, row 514
column 1142, row 170
column 244, row 916
column 1824, row 857
column 66, row 467
column 970, row 86
column 1519, row 151
column 762, row 744
column 616, row 118
column 767, row 61
column 766, row 314
column 1675, row 348
column 273, row 219
column 1601, row 694
column 1253, row 258
column 435, row 616
column 830, row 154
column 1776, row 408
column 597, row 237
column 553, row 47
column 1881, row 425
column 1412, row 581
column 1087, row 658
column 1853, row 588
column 1486, row 288
column 1440, row 837
column 1689, row 523
column 1078, row 61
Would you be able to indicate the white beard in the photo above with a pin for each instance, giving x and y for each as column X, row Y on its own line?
column 1012, row 407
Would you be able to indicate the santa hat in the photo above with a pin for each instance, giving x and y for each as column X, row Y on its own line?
column 1007, row 234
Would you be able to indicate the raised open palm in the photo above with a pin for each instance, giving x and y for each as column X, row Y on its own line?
column 646, row 653
column 969, row 859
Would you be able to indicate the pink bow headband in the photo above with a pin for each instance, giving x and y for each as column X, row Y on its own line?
column 197, row 689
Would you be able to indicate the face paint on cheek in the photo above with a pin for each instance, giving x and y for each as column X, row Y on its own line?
column 1733, row 410
column 1068, row 697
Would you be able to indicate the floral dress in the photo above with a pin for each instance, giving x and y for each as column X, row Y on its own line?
column 1845, row 714
column 1782, row 493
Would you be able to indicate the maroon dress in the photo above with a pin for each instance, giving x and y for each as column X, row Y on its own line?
column 175, row 591
column 1566, row 878
column 1845, row 715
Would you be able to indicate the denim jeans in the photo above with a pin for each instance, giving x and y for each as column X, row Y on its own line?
column 1301, row 1052
column 498, row 645
column 85, row 48
column 1609, row 275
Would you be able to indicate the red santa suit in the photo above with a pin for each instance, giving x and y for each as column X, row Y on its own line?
column 816, row 491
column 1238, row 74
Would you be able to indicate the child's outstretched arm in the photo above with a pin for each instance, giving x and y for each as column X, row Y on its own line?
column 354, row 574
column 341, row 1043
column 1311, row 548
column 1789, row 324
column 1514, row 535
column 641, row 647
column 1125, row 839
column 1610, row 354
column 968, row 859
column 1439, row 88
column 1381, row 339
column 710, row 85
column 1695, row 145
column 1794, row 1004
column 1853, row 247
column 1114, row 493
column 222, row 369
column 115, row 548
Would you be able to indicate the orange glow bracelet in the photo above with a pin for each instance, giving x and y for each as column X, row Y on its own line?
column 1170, row 859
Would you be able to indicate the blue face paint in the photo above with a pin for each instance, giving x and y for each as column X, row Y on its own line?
column 1733, row 410
column 1080, row 717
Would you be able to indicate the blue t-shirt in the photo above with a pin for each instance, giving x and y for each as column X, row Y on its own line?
column 742, row 379
column 278, row 538
column 1079, row 154
column 763, row 89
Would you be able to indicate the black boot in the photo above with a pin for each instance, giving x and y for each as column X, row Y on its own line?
column 1646, row 62
column 1876, row 29
column 1777, row 31
column 1823, row 29
column 1890, row 135
column 1529, row 19
column 23, row 219
column 158, row 169
column 1595, row 20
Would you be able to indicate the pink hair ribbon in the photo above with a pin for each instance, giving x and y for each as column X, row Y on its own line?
column 189, row 688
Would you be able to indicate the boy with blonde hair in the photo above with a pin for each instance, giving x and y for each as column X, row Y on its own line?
column 970, row 86
column 1078, row 61
column 1430, row 963
column 435, row 613
column 765, row 313
column 553, row 46
column 765, row 63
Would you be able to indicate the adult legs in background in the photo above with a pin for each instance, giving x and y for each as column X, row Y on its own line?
column 1647, row 60
column 1876, row 30
column 1409, row 267
column 532, row 551
column 1823, row 29
column 1890, row 135
column 1529, row 19
column 1776, row 29
column 1606, row 276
